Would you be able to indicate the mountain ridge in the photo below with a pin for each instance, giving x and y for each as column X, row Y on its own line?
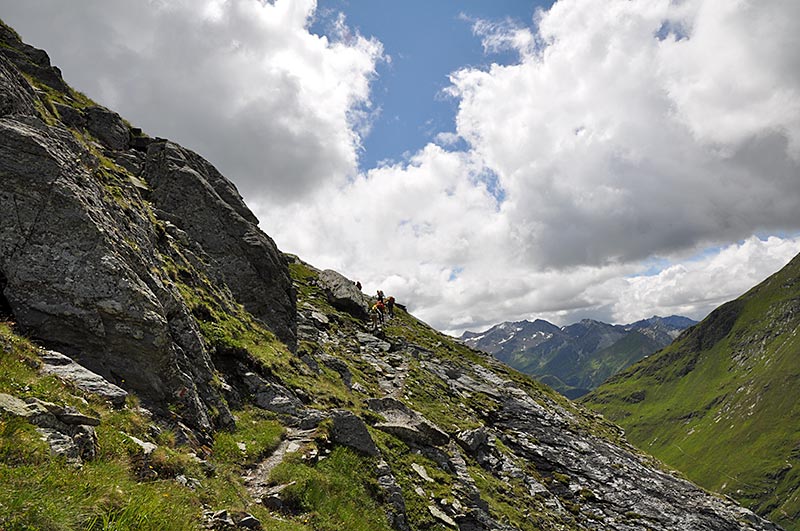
column 578, row 357
column 720, row 402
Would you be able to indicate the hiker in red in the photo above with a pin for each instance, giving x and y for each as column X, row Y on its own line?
column 381, row 310
column 390, row 306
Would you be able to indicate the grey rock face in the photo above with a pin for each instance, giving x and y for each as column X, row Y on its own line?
column 16, row 96
column 82, row 269
column 343, row 294
column 197, row 199
column 349, row 430
column 89, row 235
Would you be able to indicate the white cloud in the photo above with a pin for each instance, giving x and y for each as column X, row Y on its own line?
column 243, row 82
column 613, row 144
column 694, row 288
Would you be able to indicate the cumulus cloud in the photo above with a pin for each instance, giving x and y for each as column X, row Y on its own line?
column 243, row 82
column 610, row 144
column 638, row 128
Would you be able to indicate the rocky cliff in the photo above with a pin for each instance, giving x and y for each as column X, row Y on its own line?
column 180, row 373
column 103, row 227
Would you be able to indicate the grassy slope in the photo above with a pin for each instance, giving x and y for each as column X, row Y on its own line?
column 721, row 403
column 40, row 491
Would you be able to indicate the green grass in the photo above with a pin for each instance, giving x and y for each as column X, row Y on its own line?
column 338, row 492
column 257, row 430
column 102, row 495
column 721, row 403
column 42, row 492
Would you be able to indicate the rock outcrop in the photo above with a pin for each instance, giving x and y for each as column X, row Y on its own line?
column 67, row 432
column 101, row 243
column 343, row 293
column 65, row 368
column 190, row 193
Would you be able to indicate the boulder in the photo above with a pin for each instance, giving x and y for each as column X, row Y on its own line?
column 67, row 369
column 474, row 440
column 32, row 410
column 272, row 396
column 71, row 116
column 349, row 430
column 370, row 341
column 407, row 424
column 108, row 127
column 337, row 365
column 441, row 516
column 343, row 294
column 146, row 447
column 248, row 521
column 66, row 431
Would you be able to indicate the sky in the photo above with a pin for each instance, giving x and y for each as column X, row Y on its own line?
column 481, row 161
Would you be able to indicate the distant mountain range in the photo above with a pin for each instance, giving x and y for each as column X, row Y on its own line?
column 577, row 358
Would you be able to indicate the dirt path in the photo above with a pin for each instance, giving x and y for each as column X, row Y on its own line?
column 256, row 479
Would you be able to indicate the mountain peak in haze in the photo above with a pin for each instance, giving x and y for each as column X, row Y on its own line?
column 576, row 358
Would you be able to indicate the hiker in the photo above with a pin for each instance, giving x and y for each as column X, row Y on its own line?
column 376, row 314
column 380, row 296
column 381, row 310
column 390, row 306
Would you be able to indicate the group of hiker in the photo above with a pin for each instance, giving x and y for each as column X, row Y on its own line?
column 382, row 309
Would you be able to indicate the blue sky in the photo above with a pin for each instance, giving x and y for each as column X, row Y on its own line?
column 613, row 160
column 426, row 41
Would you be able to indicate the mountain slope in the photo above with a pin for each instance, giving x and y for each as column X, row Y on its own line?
column 576, row 358
column 721, row 403
column 163, row 366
